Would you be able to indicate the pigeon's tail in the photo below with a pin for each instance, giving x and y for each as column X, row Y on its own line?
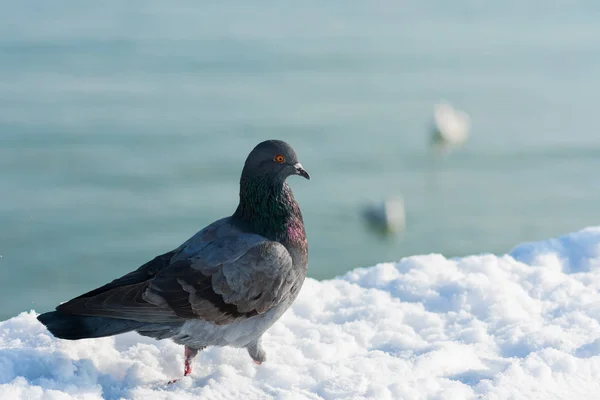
column 73, row 327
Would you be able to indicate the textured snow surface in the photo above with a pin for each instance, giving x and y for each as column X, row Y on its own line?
column 522, row 326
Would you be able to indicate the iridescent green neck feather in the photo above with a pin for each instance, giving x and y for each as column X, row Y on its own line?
column 269, row 209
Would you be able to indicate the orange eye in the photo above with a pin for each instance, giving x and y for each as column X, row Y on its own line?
column 279, row 159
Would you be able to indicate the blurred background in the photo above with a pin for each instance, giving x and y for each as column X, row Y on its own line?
column 124, row 127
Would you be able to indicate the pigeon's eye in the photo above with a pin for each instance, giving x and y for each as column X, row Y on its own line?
column 279, row 159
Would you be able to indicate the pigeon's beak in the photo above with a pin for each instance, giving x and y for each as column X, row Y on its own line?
column 301, row 171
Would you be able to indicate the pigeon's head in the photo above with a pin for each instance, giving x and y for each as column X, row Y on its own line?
column 274, row 160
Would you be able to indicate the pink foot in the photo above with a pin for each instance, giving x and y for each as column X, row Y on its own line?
column 187, row 369
column 257, row 362
column 187, row 364
column 189, row 357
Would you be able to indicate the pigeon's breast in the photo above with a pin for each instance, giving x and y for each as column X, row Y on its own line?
column 296, row 243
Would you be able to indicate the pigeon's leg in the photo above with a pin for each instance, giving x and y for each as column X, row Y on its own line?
column 190, row 354
column 256, row 351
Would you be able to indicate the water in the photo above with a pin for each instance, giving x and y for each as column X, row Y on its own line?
column 124, row 126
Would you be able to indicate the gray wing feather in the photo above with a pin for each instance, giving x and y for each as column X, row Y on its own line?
column 219, row 275
column 252, row 281
column 258, row 280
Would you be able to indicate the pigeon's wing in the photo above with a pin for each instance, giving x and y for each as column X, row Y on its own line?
column 123, row 297
column 219, row 280
column 250, row 283
column 124, row 302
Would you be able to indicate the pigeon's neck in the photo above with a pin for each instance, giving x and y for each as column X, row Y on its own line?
column 270, row 210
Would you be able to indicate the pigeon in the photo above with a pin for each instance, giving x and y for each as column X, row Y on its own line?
column 225, row 286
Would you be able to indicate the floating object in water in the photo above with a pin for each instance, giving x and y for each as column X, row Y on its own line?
column 450, row 126
column 387, row 216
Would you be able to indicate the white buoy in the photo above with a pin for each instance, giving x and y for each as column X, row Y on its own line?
column 450, row 126
column 386, row 216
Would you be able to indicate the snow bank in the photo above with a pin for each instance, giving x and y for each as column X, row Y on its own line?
column 522, row 326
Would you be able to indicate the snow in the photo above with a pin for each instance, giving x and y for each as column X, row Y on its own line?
column 522, row 326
